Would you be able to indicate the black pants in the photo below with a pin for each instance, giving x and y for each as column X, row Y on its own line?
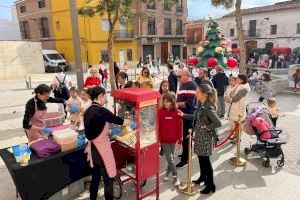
column 274, row 121
column 206, row 170
column 98, row 171
column 187, row 124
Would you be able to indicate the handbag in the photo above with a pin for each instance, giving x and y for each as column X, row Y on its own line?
column 44, row 148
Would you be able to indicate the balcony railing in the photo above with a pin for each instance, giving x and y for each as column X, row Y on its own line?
column 252, row 33
column 193, row 40
column 125, row 34
column 179, row 9
column 179, row 32
column 151, row 6
column 152, row 30
column 167, row 7
column 168, row 31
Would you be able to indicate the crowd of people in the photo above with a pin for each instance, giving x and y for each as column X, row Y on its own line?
column 187, row 102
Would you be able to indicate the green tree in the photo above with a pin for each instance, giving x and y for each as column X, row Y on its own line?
column 238, row 18
column 213, row 46
column 117, row 11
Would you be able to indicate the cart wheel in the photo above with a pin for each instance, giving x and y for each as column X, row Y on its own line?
column 266, row 163
column 247, row 151
column 118, row 188
column 280, row 163
column 142, row 183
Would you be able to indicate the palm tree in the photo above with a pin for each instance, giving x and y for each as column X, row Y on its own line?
column 238, row 18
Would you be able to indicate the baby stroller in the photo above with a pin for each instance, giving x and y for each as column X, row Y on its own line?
column 269, row 140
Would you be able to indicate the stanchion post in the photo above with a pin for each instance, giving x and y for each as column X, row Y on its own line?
column 189, row 187
column 238, row 161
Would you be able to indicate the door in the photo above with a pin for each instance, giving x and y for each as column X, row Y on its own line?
column 164, row 52
column 148, row 49
column 176, row 51
column 184, row 54
column 250, row 45
column 122, row 58
column 252, row 28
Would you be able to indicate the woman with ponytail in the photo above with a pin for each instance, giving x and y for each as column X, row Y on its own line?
column 206, row 121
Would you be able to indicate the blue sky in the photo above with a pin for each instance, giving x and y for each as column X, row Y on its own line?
column 197, row 8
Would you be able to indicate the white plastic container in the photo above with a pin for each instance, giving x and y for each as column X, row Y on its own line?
column 66, row 138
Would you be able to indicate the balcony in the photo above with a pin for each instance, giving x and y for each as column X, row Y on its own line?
column 167, row 7
column 252, row 33
column 179, row 32
column 193, row 40
column 168, row 31
column 151, row 6
column 152, row 30
column 179, row 9
column 123, row 35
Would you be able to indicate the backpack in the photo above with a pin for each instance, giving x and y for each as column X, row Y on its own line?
column 62, row 91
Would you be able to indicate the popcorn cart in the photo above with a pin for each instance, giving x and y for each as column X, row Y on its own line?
column 136, row 148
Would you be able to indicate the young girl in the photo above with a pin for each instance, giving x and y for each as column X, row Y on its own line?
column 170, row 133
column 274, row 110
column 163, row 88
column 105, row 74
column 86, row 102
column 265, row 89
column 229, row 93
column 75, row 100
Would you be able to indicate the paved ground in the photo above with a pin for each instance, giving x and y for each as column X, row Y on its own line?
column 250, row 182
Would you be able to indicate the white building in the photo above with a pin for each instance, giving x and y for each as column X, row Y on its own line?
column 270, row 26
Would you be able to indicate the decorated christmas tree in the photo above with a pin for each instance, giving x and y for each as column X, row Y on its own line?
column 213, row 49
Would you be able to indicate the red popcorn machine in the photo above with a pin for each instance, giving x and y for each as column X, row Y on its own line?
column 136, row 147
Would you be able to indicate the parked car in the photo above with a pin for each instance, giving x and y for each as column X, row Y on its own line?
column 53, row 60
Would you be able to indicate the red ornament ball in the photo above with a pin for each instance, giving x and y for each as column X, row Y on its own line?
column 212, row 62
column 232, row 63
column 222, row 35
column 206, row 36
column 206, row 43
column 193, row 61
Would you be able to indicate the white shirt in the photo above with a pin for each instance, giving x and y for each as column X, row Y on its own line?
column 60, row 77
column 86, row 104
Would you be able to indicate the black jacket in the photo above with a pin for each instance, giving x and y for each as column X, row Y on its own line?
column 220, row 81
column 172, row 79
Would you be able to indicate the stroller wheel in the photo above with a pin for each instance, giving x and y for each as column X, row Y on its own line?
column 280, row 163
column 266, row 163
column 247, row 151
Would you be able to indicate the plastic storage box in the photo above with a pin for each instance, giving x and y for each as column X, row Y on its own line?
column 66, row 138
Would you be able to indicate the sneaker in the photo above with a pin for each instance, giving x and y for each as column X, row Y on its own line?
column 181, row 165
column 166, row 178
column 176, row 182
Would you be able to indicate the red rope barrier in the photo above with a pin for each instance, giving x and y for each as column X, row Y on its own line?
column 227, row 137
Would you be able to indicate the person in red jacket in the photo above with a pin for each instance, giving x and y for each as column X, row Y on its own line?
column 92, row 81
column 170, row 133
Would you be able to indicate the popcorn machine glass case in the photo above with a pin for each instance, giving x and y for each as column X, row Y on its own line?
column 138, row 144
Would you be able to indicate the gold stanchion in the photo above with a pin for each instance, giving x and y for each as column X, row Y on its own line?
column 238, row 161
column 189, row 188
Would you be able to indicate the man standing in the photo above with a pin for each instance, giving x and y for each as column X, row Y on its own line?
column 220, row 81
column 202, row 78
column 172, row 78
column 186, row 103
column 61, row 84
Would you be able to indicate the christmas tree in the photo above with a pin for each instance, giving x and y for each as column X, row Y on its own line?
column 213, row 49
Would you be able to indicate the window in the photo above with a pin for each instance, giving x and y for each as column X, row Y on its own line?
column 105, row 25
column 129, row 54
column 194, row 51
column 151, row 5
column 274, row 29
column 298, row 28
column 22, row 9
column 104, row 56
column 179, row 7
column 168, row 30
column 44, row 28
column 57, row 24
column 195, row 39
column 178, row 27
column 151, row 26
column 42, row 3
column 25, row 32
column 231, row 32
column 167, row 6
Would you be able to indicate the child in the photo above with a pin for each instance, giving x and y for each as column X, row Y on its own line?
column 296, row 78
column 85, row 104
column 274, row 110
column 105, row 74
column 74, row 99
column 136, row 84
column 229, row 93
column 265, row 89
column 170, row 133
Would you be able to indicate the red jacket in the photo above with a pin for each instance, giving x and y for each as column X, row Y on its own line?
column 170, row 126
column 92, row 81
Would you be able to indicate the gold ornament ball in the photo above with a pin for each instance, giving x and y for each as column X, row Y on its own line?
column 228, row 50
column 200, row 50
column 218, row 49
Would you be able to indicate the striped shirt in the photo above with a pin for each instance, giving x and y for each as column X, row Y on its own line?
column 187, row 94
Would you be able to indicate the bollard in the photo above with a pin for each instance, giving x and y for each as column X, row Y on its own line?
column 238, row 161
column 29, row 78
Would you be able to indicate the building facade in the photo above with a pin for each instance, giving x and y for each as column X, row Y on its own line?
column 270, row 26
column 35, row 21
column 159, row 29
column 194, row 34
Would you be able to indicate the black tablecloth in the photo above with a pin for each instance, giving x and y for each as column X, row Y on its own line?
column 42, row 178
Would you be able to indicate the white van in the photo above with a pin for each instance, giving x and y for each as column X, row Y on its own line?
column 53, row 60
